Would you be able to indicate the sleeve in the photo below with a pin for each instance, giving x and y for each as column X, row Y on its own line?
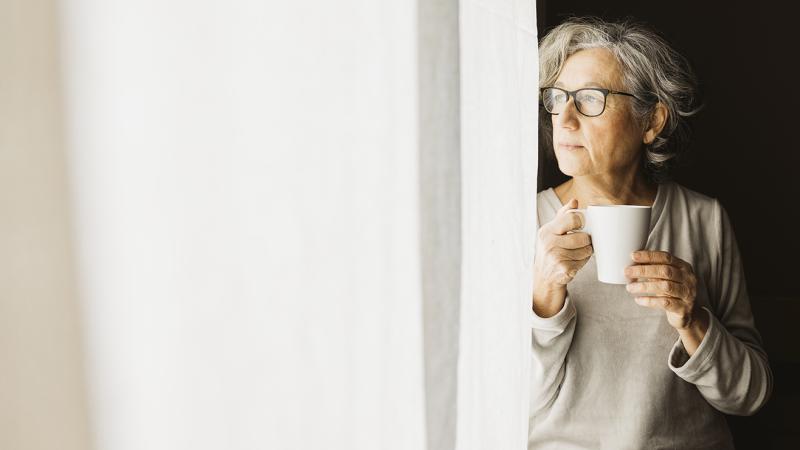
column 551, row 339
column 730, row 367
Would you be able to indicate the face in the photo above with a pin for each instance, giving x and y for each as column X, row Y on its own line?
column 607, row 144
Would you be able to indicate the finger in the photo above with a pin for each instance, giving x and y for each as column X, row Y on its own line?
column 571, row 204
column 660, row 288
column 564, row 220
column 572, row 241
column 578, row 254
column 655, row 271
column 569, row 221
column 652, row 257
column 669, row 304
column 657, row 257
column 560, row 225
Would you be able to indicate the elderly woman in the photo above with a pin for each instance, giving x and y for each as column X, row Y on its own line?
column 658, row 362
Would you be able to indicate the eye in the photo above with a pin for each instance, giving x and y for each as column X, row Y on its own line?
column 590, row 97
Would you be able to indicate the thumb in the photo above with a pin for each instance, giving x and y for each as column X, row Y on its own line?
column 571, row 204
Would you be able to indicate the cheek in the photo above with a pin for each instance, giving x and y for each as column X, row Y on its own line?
column 600, row 138
column 617, row 137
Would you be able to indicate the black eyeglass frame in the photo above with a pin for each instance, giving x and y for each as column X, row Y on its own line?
column 605, row 92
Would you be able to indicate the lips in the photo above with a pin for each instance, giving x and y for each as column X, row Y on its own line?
column 567, row 141
column 569, row 146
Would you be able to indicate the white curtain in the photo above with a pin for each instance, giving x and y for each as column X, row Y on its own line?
column 303, row 225
column 247, row 190
column 499, row 107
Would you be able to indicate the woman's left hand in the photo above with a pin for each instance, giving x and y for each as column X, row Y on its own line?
column 671, row 285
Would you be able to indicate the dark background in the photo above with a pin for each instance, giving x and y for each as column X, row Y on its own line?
column 745, row 153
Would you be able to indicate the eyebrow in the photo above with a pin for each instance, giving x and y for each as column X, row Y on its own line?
column 585, row 85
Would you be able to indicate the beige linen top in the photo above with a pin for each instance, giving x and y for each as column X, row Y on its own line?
column 610, row 374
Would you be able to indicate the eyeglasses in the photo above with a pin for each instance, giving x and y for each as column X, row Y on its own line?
column 590, row 102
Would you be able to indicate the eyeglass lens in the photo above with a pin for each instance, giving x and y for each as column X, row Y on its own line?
column 590, row 102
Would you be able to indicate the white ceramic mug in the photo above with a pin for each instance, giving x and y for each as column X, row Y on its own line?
column 616, row 231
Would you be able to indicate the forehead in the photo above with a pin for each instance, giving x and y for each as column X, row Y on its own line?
column 594, row 67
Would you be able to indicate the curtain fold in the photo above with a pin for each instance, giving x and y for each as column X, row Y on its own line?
column 42, row 383
column 440, row 213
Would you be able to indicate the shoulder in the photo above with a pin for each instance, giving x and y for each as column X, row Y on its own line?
column 684, row 201
column 685, row 195
column 544, row 195
column 547, row 205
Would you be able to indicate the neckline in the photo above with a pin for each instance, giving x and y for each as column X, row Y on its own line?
column 551, row 192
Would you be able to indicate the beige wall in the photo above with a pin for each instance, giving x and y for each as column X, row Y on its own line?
column 42, row 387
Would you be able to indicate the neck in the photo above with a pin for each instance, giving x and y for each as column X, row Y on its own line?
column 627, row 189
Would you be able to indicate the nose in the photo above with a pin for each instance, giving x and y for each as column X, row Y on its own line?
column 569, row 117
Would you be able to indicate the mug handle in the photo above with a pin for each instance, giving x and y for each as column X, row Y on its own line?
column 586, row 228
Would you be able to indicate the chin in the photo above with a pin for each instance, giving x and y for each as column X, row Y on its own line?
column 570, row 168
column 571, row 164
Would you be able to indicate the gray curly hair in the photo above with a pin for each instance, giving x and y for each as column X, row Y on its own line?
column 652, row 71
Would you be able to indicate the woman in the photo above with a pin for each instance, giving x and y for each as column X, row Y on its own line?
column 654, row 363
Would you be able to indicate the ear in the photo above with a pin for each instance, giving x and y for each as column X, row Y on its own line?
column 657, row 121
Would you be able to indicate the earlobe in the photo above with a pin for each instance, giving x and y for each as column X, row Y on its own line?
column 657, row 122
column 650, row 134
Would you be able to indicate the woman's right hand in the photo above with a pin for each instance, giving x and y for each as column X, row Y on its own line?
column 559, row 257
